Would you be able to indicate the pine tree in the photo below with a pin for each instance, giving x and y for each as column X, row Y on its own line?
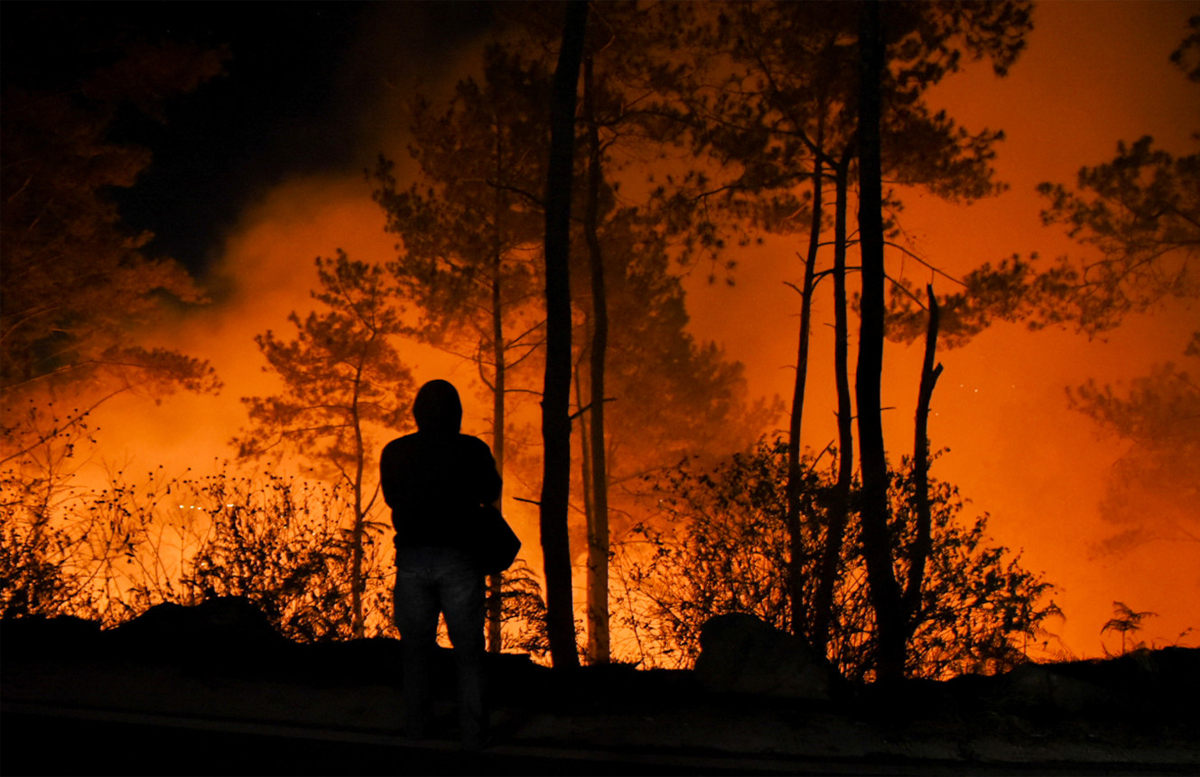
column 781, row 110
column 343, row 385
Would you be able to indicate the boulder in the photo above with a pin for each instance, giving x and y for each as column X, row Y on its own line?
column 1034, row 686
column 225, row 629
column 38, row 637
column 740, row 653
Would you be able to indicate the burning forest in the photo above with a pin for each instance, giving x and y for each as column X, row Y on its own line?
column 873, row 320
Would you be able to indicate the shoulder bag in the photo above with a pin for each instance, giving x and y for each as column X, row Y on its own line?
column 496, row 544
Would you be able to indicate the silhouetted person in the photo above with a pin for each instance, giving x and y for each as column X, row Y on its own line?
column 436, row 481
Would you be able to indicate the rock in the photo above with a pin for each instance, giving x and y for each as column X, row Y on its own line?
column 41, row 638
column 740, row 653
column 1032, row 686
column 225, row 629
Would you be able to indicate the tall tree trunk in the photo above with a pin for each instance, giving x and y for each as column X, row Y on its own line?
column 884, row 589
column 360, row 518
column 839, row 508
column 556, row 396
column 585, row 456
column 923, row 542
column 597, row 557
column 792, row 489
column 585, row 451
column 495, row 608
column 356, row 567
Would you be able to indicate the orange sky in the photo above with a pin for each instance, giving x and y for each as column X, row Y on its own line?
column 1094, row 73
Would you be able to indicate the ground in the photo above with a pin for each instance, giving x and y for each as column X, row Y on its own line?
column 166, row 698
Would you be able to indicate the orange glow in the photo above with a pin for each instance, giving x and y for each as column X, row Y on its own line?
column 1093, row 74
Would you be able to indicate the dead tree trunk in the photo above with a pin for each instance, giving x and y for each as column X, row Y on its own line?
column 923, row 542
column 792, row 489
column 839, row 508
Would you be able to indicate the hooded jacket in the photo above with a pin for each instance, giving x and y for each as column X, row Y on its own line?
column 436, row 479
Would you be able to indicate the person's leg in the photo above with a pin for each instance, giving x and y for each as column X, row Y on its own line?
column 462, row 594
column 416, row 604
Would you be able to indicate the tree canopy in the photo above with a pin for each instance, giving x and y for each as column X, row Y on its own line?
column 344, row 384
column 78, row 287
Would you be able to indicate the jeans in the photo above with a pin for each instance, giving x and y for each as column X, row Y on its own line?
column 430, row 580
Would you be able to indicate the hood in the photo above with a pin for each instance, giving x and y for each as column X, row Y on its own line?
column 437, row 408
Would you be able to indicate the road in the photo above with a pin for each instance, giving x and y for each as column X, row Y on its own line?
column 45, row 740
column 38, row 739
